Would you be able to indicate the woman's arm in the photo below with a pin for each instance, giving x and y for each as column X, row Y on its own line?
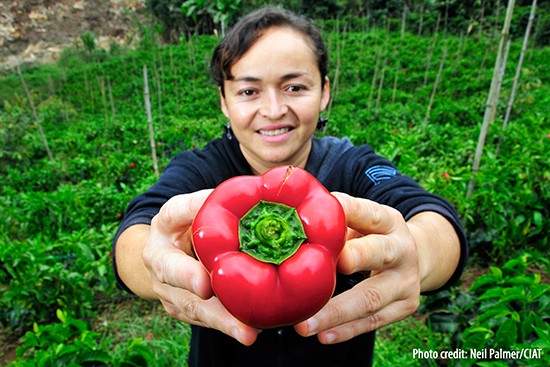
column 438, row 249
column 129, row 260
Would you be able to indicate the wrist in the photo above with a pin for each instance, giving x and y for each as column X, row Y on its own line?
column 438, row 249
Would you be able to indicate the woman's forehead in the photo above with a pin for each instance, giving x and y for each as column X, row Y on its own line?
column 277, row 45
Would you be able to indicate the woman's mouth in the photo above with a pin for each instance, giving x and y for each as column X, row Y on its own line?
column 275, row 132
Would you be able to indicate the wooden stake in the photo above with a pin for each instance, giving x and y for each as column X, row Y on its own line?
column 459, row 52
column 492, row 98
column 159, row 93
column 518, row 74
column 404, row 20
column 481, row 20
column 101, row 83
column 380, row 85
column 501, row 76
column 51, row 84
column 431, row 51
column 375, row 76
column 446, row 19
column 175, row 77
column 63, row 83
column 421, row 21
column 396, row 75
column 340, row 42
column 434, row 89
column 111, row 99
column 150, row 121
column 35, row 115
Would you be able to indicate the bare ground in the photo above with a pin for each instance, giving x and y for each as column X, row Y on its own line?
column 38, row 30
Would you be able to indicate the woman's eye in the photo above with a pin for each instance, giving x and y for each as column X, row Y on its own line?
column 295, row 88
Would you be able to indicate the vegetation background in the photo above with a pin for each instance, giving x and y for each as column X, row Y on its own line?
column 411, row 78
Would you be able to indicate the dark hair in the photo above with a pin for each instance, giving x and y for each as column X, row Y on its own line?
column 250, row 28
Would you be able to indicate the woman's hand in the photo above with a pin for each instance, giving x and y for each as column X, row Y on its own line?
column 178, row 279
column 379, row 241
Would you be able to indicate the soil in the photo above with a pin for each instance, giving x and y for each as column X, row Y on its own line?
column 38, row 30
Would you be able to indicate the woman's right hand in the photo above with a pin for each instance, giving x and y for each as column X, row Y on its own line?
column 178, row 279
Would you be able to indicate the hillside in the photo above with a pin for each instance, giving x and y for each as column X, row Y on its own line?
column 38, row 30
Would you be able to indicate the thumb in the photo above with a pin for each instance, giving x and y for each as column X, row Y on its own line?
column 177, row 214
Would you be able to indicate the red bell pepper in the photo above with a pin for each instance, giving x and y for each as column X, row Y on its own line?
column 270, row 244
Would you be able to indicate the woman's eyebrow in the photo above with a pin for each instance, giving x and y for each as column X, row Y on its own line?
column 295, row 75
column 285, row 77
column 246, row 79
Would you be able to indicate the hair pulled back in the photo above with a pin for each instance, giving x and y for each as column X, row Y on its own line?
column 250, row 28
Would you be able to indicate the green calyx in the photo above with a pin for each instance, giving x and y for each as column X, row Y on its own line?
column 271, row 232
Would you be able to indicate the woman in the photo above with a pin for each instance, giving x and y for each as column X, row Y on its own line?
column 271, row 70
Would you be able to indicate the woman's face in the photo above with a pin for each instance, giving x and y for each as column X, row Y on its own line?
column 274, row 100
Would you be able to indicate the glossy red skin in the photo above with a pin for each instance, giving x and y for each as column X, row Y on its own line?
column 265, row 295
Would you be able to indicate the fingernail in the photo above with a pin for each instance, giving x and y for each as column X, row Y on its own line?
column 330, row 337
column 312, row 325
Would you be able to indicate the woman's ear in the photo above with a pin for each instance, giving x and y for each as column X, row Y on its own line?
column 223, row 103
column 325, row 94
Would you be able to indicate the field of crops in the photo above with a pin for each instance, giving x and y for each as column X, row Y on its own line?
column 418, row 100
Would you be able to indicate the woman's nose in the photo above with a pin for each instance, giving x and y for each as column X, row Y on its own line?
column 273, row 105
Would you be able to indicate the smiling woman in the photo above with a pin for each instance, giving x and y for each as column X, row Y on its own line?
column 271, row 72
column 274, row 99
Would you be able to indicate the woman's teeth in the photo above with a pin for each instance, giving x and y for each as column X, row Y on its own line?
column 275, row 132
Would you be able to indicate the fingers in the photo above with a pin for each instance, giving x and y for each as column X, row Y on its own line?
column 376, row 252
column 173, row 267
column 373, row 303
column 178, row 279
column 382, row 243
column 168, row 252
column 209, row 313
column 388, row 315
column 386, row 241
column 367, row 216
column 364, row 254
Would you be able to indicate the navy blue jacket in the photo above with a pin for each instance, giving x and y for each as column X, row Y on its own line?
column 339, row 166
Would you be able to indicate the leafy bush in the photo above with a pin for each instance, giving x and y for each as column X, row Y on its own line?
column 511, row 311
column 507, row 308
column 70, row 342
column 40, row 275
column 392, row 349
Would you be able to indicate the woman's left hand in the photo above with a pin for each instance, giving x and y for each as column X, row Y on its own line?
column 379, row 241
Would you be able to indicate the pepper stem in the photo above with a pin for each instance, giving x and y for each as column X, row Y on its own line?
column 271, row 232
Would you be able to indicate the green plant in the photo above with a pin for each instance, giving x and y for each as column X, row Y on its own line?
column 395, row 344
column 40, row 275
column 220, row 11
column 507, row 309
column 512, row 311
column 67, row 343
column 89, row 41
column 70, row 342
